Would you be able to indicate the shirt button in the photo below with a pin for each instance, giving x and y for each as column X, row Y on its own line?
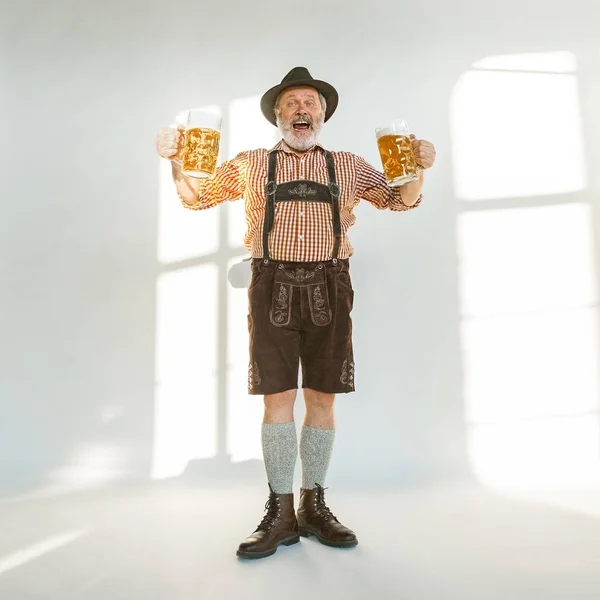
column 301, row 237
column 301, row 214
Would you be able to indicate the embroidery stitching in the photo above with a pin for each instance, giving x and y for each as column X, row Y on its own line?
column 318, row 298
column 281, row 305
column 300, row 275
column 254, row 377
column 302, row 190
column 319, row 307
column 347, row 377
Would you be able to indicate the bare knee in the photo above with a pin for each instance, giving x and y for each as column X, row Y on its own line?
column 279, row 408
column 318, row 401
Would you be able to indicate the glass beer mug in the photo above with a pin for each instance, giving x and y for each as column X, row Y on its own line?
column 396, row 151
column 200, row 152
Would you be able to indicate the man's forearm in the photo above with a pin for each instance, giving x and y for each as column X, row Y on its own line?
column 410, row 191
column 188, row 187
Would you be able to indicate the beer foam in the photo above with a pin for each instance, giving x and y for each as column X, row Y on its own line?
column 391, row 130
column 384, row 131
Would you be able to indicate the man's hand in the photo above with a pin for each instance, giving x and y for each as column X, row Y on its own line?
column 169, row 142
column 424, row 152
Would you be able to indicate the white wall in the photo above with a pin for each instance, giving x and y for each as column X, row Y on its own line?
column 85, row 88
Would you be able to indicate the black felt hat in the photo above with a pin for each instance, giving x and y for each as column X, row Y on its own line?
column 298, row 77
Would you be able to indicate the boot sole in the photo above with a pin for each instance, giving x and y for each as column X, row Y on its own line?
column 306, row 533
column 287, row 542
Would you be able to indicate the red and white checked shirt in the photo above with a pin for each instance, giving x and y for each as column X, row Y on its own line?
column 302, row 231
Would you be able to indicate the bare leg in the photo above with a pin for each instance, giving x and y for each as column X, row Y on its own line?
column 279, row 408
column 319, row 409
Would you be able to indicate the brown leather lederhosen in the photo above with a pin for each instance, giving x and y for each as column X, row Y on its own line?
column 300, row 310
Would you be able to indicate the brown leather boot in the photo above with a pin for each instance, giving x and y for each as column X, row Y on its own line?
column 279, row 526
column 315, row 518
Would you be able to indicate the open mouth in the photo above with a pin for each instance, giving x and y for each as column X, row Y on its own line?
column 301, row 126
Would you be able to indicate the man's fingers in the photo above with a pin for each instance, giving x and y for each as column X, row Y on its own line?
column 169, row 140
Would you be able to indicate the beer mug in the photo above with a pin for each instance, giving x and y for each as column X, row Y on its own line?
column 201, row 143
column 396, row 151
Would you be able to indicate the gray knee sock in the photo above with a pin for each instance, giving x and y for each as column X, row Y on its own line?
column 280, row 450
column 316, row 446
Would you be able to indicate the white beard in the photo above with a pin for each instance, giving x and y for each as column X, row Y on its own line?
column 300, row 140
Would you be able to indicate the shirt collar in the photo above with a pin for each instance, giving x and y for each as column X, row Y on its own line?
column 281, row 145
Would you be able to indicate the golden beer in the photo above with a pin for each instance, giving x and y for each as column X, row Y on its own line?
column 397, row 156
column 200, row 151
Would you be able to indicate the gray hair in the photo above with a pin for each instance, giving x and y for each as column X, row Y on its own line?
column 321, row 98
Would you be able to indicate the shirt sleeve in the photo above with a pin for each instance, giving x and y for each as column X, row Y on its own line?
column 372, row 187
column 228, row 183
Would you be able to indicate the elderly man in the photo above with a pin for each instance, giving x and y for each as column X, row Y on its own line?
column 299, row 200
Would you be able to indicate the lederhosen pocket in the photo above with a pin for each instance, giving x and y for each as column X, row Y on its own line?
column 311, row 282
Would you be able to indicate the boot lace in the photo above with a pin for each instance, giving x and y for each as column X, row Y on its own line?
column 272, row 508
column 321, row 508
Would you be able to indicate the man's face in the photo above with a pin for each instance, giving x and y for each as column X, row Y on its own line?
column 300, row 117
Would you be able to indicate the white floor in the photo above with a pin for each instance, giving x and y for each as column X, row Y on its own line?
column 176, row 542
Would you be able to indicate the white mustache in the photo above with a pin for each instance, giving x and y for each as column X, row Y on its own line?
column 292, row 138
